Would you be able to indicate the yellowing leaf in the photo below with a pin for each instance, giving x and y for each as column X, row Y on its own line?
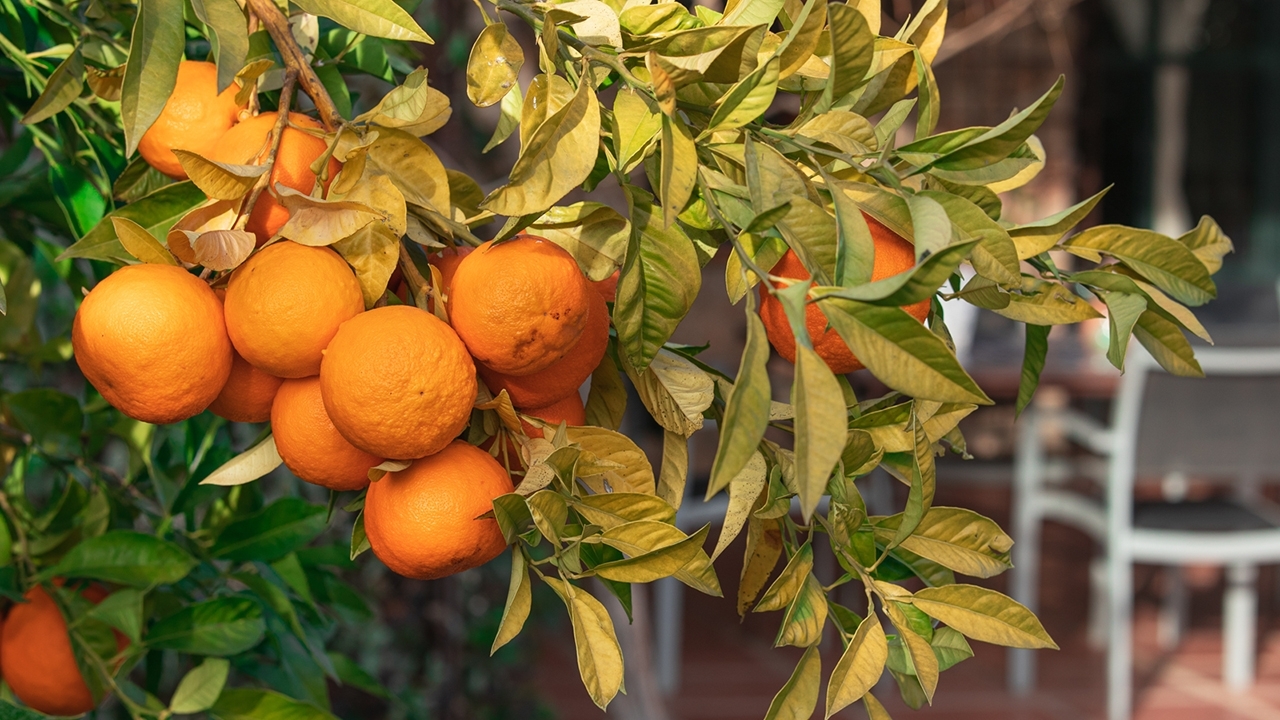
column 675, row 391
column 599, row 657
column 494, row 65
column 593, row 233
column 414, row 168
column 641, row 536
column 372, row 252
column 415, row 107
column 610, row 510
column 559, row 156
column 1167, row 263
column 221, row 249
column 674, row 473
column 787, row 586
column 798, row 698
column 380, row 18
column 519, row 602
column 247, row 466
column 599, row 23
column 657, row 563
column 806, row 616
column 764, row 547
column 744, row 489
column 636, row 124
column 210, row 216
column 1207, row 241
column 1048, row 304
column 984, row 615
column 747, row 410
column 679, row 167
column 140, row 243
column 221, row 181
column 917, row 648
column 636, row 474
column 819, row 426
column 860, row 667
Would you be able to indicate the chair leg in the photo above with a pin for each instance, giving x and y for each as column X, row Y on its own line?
column 1024, row 585
column 1098, row 631
column 1239, row 626
column 668, row 624
column 1120, row 647
column 1173, row 609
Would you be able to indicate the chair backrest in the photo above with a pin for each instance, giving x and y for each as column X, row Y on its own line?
column 1224, row 425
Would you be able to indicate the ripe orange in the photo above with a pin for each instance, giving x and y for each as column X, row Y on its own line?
column 249, row 142
column 519, row 305
column 247, row 395
column 893, row 255
column 424, row 521
column 152, row 340
column 397, row 382
column 310, row 445
column 608, row 287
column 194, row 118
column 563, row 377
column 568, row 410
column 447, row 261
column 285, row 303
column 35, row 652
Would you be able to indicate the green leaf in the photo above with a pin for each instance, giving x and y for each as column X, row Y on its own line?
column 855, row 248
column 519, row 601
column 1157, row 301
column 200, row 687
column 785, row 588
column 607, row 396
column 1033, row 357
column 272, row 532
column 852, row 45
column 252, row 704
column 901, row 352
column 746, row 414
column 747, row 100
column 1037, row 237
column 799, row 697
column 121, row 610
column 806, row 616
column 819, row 425
column 1207, row 241
column 744, row 490
column 220, row 627
column 9, row 711
column 560, row 154
column 127, row 558
column 1167, row 263
column 918, row 651
column 909, row 287
column 984, row 615
column 892, row 120
column 64, row 86
column 995, row 255
column 1123, row 311
column 493, row 67
column 380, row 18
column 927, row 117
column 950, row 647
column 156, row 212
column 679, row 167
column 140, row 243
column 610, row 510
column 859, row 668
column 1047, row 303
column 922, row 482
column 248, row 465
column 658, row 563
column 155, row 49
column 659, row 282
column 995, row 143
column 231, row 31
column 1166, row 343
column 599, row 656
column 53, row 419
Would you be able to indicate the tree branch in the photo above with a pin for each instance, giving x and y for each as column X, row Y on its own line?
column 277, row 26
column 277, row 132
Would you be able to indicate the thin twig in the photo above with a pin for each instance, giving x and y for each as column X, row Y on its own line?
column 277, row 26
column 417, row 283
column 277, row 132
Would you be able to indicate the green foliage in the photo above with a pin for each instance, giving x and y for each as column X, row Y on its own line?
column 241, row 581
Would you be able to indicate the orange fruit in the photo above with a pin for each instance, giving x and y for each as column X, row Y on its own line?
column 424, row 521
column 397, row 382
column 311, row 447
column 285, row 303
column 563, row 377
column 35, row 652
column 520, row 305
column 248, row 143
column 194, row 118
column 893, row 255
column 152, row 340
column 608, row 287
column 247, row 395
column 568, row 410
column 447, row 262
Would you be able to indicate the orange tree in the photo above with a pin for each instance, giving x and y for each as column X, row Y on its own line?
column 849, row 222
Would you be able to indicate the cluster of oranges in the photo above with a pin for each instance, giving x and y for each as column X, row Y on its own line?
column 345, row 389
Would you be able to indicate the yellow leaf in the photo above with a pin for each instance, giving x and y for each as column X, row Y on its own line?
column 984, row 615
column 140, row 243
column 675, row 391
column 599, row 657
column 744, row 489
column 372, row 252
column 209, row 216
column 221, row 249
column 220, row 181
column 787, row 586
column 636, row 474
column 798, row 698
column 247, row 466
column 414, row 169
column 860, row 667
column 493, row 66
column 641, row 536
column 519, row 602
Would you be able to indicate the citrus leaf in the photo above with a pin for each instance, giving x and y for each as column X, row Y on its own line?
column 803, row 38
column 247, row 466
column 221, row 627
column 901, row 352
column 125, row 557
column 252, row 704
column 798, row 698
column 932, row 227
column 200, row 687
column 1123, row 311
column 806, row 616
column 635, row 474
column 607, row 396
column 674, row 391
column 922, row 480
column 852, row 45
column 642, row 536
column 747, row 100
column 655, row 564
column 595, row 235
column 993, row 144
column 995, row 256
column 512, row 108
column 519, row 601
column 221, row 181
column 764, row 547
column 751, row 12
column 785, row 588
column 140, row 243
column 635, row 124
column 918, row 651
column 819, row 425
column 875, row 711
column 984, row 615
column 493, row 67
column 155, row 49
column 64, row 86
column 674, row 473
column 613, row 509
column 956, row 538
column 746, row 414
column 1037, row 237
column 908, row 287
column 744, row 490
column 599, row 657
column 227, row 20
column 380, row 18
column 1167, row 263
column 272, row 532
column 860, row 667
column 1166, row 343
column 679, row 167
column 156, row 212
column 558, row 157
column 658, row 284
column 221, row 249
column 1207, row 241
column 415, row 107
column 372, row 252
column 1033, row 358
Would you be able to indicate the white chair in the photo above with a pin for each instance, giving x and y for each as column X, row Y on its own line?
column 1223, row 428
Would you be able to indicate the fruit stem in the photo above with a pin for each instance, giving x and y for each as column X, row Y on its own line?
column 277, row 26
column 418, row 284
column 277, row 132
